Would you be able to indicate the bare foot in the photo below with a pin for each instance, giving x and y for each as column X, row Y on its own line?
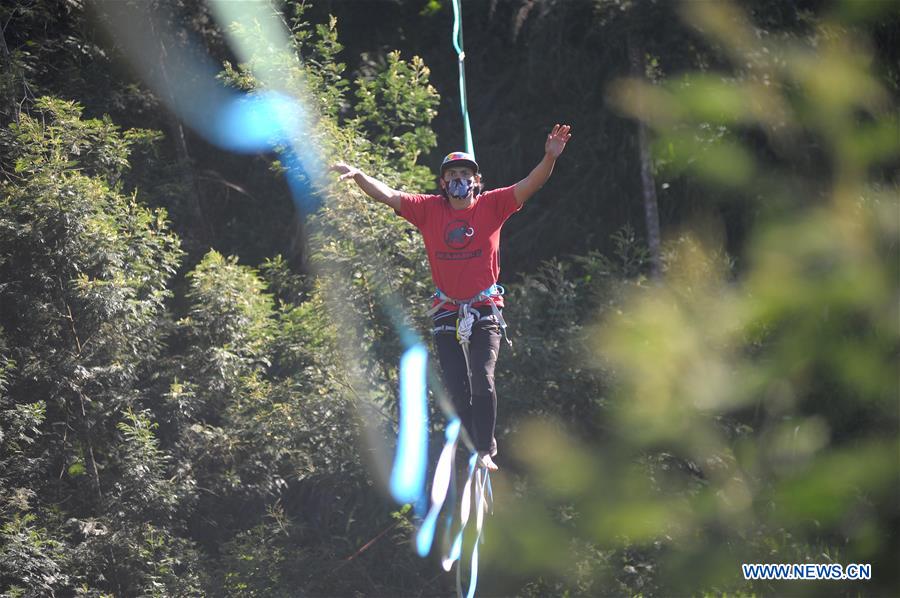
column 485, row 460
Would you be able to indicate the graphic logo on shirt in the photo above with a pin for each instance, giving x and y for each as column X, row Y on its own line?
column 458, row 234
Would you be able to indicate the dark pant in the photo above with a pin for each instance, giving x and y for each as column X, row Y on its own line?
column 477, row 407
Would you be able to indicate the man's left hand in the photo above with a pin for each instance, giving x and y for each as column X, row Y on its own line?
column 557, row 139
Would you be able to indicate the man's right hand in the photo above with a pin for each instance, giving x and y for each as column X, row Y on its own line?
column 345, row 171
column 370, row 186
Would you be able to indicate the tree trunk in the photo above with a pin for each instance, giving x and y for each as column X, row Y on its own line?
column 648, row 183
column 90, row 461
column 6, row 63
column 297, row 242
column 84, row 427
column 185, row 164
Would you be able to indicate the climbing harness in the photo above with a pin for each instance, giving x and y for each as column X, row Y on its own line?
column 466, row 317
column 465, row 310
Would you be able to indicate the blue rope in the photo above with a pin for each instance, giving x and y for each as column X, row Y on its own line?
column 461, row 57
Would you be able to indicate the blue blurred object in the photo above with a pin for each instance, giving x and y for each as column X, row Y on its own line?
column 408, row 475
column 259, row 122
column 301, row 180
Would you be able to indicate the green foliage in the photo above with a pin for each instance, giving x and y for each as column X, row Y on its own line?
column 270, row 433
column 222, row 431
column 54, row 139
column 395, row 108
column 371, row 264
column 754, row 411
column 230, row 311
column 144, row 491
column 319, row 78
column 292, row 432
column 387, row 128
column 31, row 561
column 550, row 308
column 282, row 424
column 255, row 561
column 92, row 252
column 85, row 270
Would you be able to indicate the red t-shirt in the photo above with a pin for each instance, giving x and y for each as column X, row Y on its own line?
column 463, row 245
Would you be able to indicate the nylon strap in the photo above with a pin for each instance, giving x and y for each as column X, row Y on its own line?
column 442, row 475
column 464, row 507
column 481, row 480
column 461, row 57
column 478, row 482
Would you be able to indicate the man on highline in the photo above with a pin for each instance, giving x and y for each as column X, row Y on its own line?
column 461, row 230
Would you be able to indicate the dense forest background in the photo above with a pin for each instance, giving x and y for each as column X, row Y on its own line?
column 198, row 370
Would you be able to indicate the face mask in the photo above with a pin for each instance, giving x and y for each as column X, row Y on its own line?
column 460, row 187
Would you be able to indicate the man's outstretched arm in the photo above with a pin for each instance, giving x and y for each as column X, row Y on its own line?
column 553, row 148
column 369, row 185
